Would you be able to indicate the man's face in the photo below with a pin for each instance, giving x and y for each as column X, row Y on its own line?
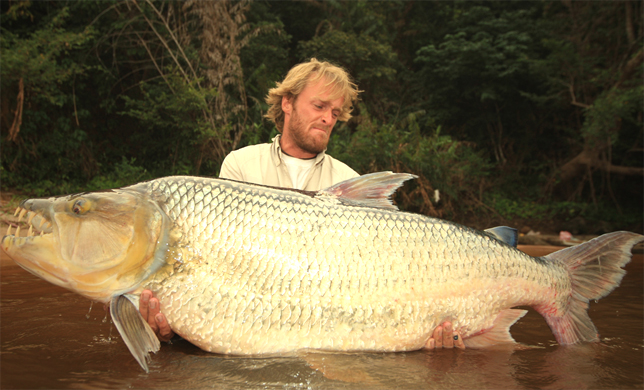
column 309, row 120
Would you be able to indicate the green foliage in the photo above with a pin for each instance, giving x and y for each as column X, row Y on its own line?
column 609, row 110
column 265, row 57
column 484, row 100
column 125, row 173
column 171, row 113
column 367, row 59
column 513, row 208
column 38, row 68
column 453, row 168
column 122, row 174
column 41, row 59
column 478, row 71
column 264, row 61
column 582, row 217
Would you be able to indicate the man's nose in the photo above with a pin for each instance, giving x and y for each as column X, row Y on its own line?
column 327, row 116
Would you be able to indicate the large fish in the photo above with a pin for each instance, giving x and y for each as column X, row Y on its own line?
column 253, row 270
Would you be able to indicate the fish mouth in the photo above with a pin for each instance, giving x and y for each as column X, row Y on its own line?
column 39, row 235
column 36, row 223
column 96, row 244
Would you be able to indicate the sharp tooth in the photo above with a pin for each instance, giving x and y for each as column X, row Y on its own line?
column 22, row 214
column 17, row 231
column 31, row 231
column 8, row 231
column 42, row 222
column 17, row 211
column 30, row 217
column 42, row 233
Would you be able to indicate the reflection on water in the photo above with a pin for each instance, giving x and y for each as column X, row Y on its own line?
column 50, row 341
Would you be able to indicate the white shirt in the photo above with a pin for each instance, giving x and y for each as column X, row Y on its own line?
column 299, row 169
column 265, row 164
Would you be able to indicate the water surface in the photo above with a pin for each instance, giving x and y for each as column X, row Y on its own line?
column 52, row 339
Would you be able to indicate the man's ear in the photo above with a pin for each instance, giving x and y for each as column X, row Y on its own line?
column 287, row 104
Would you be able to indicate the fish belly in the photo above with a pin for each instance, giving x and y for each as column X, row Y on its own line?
column 261, row 271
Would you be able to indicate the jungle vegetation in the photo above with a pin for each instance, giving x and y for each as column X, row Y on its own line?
column 528, row 112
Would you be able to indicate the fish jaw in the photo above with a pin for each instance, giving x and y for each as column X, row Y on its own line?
column 29, row 252
column 96, row 244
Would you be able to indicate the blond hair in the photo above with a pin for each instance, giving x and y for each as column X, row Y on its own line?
column 337, row 79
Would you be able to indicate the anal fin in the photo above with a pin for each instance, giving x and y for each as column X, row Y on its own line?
column 499, row 333
column 136, row 333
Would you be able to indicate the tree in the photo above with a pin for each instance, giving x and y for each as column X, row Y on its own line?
column 598, row 69
column 195, row 49
column 41, row 114
column 476, row 80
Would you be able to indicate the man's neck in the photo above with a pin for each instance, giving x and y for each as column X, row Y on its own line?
column 299, row 158
column 290, row 149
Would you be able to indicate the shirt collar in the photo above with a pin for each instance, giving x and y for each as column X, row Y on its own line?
column 276, row 152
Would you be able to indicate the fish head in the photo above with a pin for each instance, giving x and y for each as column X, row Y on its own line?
column 97, row 244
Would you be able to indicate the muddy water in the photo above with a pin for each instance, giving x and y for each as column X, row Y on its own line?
column 51, row 339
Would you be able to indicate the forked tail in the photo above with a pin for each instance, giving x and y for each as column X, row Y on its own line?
column 595, row 269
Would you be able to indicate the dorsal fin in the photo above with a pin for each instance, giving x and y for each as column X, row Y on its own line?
column 371, row 190
column 506, row 234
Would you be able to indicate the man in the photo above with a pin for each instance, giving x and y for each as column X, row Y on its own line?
column 304, row 107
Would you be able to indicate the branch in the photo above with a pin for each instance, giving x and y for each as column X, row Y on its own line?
column 630, row 32
column 154, row 61
column 17, row 118
column 574, row 99
column 621, row 170
column 163, row 41
column 176, row 41
column 631, row 67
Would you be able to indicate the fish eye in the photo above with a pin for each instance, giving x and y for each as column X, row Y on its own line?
column 80, row 206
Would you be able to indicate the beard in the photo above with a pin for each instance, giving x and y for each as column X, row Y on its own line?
column 310, row 143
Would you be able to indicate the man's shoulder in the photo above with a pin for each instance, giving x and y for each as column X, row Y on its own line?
column 341, row 169
column 247, row 163
column 252, row 150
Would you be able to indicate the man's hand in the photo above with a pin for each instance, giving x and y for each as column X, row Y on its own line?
column 444, row 337
column 149, row 309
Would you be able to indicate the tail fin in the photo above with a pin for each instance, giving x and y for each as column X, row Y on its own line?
column 595, row 269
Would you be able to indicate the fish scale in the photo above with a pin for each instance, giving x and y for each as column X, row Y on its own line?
column 255, row 275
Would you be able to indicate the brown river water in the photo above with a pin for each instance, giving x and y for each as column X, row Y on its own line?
column 54, row 339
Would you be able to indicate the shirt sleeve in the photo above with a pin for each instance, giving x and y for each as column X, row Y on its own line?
column 230, row 168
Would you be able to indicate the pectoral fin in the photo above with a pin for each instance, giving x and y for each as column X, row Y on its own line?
column 499, row 333
column 137, row 334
